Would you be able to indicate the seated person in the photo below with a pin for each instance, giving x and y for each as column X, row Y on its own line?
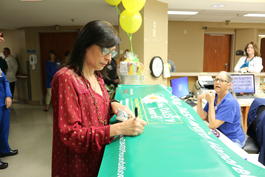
column 251, row 62
column 222, row 110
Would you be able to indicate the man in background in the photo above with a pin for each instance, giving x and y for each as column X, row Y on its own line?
column 12, row 69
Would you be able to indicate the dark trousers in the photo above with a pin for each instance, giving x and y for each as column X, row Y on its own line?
column 12, row 88
column 4, row 129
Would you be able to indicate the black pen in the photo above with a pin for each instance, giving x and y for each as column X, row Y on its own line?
column 135, row 112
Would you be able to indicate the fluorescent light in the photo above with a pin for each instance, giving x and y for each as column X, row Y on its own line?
column 173, row 12
column 218, row 5
column 254, row 15
column 31, row 0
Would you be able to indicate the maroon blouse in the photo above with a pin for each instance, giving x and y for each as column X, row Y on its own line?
column 79, row 137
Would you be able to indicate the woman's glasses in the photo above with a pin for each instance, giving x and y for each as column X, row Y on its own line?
column 220, row 80
column 106, row 51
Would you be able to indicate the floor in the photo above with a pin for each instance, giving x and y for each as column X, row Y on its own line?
column 30, row 133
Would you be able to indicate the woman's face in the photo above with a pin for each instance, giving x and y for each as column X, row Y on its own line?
column 95, row 58
column 250, row 49
column 52, row 57
column 221, row 84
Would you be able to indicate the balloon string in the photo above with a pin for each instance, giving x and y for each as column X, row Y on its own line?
column 117, row 10
column 130, row 39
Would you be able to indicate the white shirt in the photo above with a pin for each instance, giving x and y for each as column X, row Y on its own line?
column 12, row 68
column 255, row 64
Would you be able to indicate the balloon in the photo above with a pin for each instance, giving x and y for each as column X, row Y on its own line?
column 133, row 5
column 130, row 21
column 113, row 2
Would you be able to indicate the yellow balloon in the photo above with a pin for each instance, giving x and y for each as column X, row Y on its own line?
column 133, row 5
column 130, row 21
column 113, row 2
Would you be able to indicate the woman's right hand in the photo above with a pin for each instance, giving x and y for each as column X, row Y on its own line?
column 132, row 127
column 201, row 97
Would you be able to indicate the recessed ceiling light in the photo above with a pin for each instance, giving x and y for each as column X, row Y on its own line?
column 173, row 12
column 218, row 5
column 254, row 15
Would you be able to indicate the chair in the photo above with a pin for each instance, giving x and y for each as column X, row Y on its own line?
column 256, row 129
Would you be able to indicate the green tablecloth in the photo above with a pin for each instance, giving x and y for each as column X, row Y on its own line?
column 175, row 143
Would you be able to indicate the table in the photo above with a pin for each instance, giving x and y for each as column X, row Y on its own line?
column 245, row 105
column 176, row 142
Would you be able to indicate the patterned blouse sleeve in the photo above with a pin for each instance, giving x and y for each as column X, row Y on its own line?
column 72, row 131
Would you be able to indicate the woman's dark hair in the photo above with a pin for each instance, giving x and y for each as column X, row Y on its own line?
column 256, row 53
column 97, row 32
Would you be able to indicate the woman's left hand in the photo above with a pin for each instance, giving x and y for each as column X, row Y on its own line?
column 8, row 102
column 117, row 106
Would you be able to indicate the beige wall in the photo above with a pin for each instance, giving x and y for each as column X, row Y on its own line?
column 185, row 45
column 32, row 42
column 19, row 41
column 155, row 37
column 151, row 39
column 15, row 40
column 244, row 36
column 186, row 41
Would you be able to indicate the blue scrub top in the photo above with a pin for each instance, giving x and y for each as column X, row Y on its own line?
column 4, row 89
column 51, row 69
column 229, row 112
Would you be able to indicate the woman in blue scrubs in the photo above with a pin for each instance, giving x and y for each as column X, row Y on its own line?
column 5, row 103
column 222, row 110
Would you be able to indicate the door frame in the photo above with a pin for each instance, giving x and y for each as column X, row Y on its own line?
column 232, row 53
column 42, row 64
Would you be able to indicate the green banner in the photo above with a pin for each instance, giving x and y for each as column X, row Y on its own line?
column 175, row 143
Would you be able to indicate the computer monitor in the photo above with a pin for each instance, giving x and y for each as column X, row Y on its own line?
column 180, row 87
column 243, row 83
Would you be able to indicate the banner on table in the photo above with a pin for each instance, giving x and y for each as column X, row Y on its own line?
column 175, row 143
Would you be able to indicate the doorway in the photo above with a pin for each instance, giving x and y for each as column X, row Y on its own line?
column 59, row 42
column 217, row 52
column 262, row 51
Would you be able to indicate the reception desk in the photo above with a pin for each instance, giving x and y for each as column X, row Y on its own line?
column 193, row 77
column 244, row 103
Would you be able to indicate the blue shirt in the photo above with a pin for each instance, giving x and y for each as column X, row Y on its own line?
column 4, row 89
column 51, row 69
column 229, row 111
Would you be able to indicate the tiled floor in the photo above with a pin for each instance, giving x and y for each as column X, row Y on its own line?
column 30, row 133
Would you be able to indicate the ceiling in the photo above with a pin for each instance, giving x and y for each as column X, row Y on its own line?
column 17, row 14
column 233, row 10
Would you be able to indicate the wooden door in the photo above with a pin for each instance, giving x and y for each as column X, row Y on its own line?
column 217, row 52
column 59, row 42
column 262, row 52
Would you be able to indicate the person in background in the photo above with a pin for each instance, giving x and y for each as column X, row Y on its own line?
column 251, row 62
column 123, row 56
column 5, row 104
column 82, row 108
column 2, row 37
column 66, row 58
column 51, row 67
column 222, row 110
column 12, row 69
column 3, row 65
column 110, row 77
column 172, row 65
column 3, row 165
